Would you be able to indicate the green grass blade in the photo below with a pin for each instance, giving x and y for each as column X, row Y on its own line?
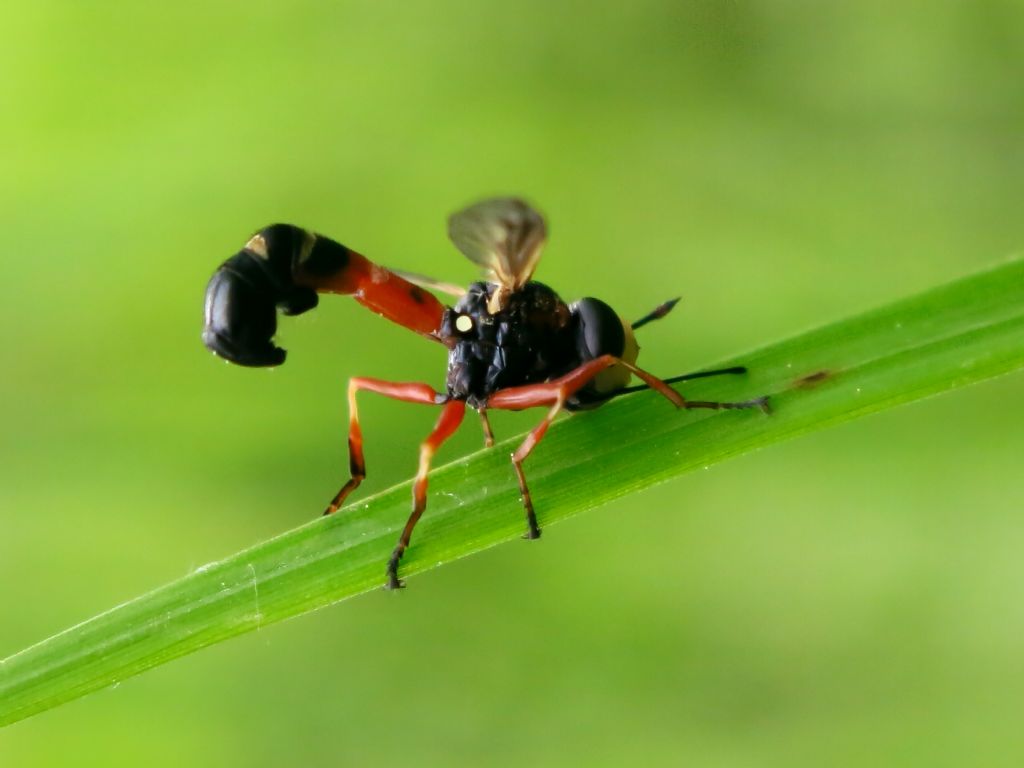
column 948, row 337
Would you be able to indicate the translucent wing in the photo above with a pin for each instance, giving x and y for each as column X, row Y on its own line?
column 503, row 235
column 430, row 283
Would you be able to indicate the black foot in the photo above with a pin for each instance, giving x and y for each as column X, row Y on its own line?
column 346, row 489
column 393, row 581
column 532, row 533
column 334, row 506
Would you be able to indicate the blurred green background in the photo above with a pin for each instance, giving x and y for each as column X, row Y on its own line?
column 851, row 598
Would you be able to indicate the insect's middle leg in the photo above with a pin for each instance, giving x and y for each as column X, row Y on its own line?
column 488, row 432
column 407, row 392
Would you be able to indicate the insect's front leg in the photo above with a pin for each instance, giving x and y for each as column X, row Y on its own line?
column 411, row 392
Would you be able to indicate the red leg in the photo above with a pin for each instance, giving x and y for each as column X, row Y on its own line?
column 409, row 392
column 447, row 423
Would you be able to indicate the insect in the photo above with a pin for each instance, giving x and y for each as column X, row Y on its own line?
column 512, row 342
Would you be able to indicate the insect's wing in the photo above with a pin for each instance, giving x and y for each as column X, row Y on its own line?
column 430, row 283
column 504, row 235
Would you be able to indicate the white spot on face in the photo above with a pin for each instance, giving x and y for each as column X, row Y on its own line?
column 464, row 323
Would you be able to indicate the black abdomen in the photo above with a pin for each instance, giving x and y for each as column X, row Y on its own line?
column 245, row 292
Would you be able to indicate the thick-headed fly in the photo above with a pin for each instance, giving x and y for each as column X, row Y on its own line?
column 512, row 342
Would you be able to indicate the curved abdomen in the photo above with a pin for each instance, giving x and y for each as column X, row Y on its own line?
column 285, row 267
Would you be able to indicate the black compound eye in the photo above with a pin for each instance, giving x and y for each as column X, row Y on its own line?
column 599, row 329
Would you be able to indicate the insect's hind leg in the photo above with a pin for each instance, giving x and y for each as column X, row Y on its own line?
column 408, row 392
column 757, row 402
column 447, row 423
